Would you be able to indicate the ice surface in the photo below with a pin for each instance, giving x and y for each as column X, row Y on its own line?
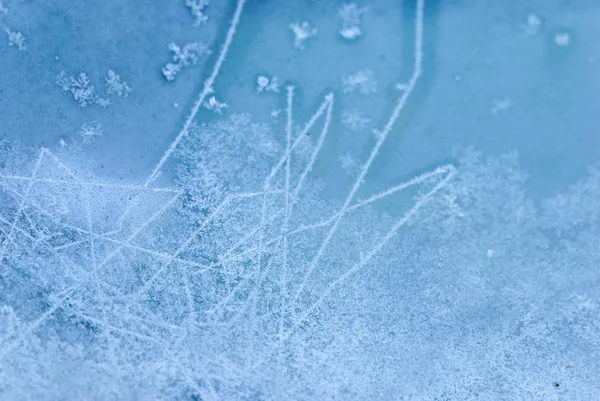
column 271, row 200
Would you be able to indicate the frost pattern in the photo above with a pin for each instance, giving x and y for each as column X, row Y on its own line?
column 213, row 104
column 90, row 131
column 191, row 53
column 82, row 90
column 562, row 39
column 116, row 86
column 242, row 282
column 351, row 15
column 15, row 39
column 302, row 31
column 355, row 119
column 362, row 81
column 197, row 9
column 532, row 27
column 265, row 84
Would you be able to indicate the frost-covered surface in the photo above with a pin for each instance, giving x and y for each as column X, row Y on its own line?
column 345, row 200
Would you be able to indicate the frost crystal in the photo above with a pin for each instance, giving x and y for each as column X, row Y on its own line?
column 302, row 31
column 213, row 104
column 170, row 71
column 264, row 84
column 191, row 53
column 114, row 85
column 81, row 88
column 102, row 102
column 562, row 39
column 15, row 39
column 349, row 164
column 197, row 9
column 532, row 27
column 90, row 131
column 362, row 81
column 355, row 119
column 350, row 13
column 501, row 105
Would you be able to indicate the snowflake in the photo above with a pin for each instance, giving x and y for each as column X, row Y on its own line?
column 302, row 31
column 532, row 27
column 351, row 14
column 114, row 85
column 15, row 39
column 501, row 105
column 90, row 131
column 170, row 71
column 355, row 119
column 562, row 39
column 102, row 102
column 362, row 81
column 275, row 113
column 213, row 104
column 264, row 84
column 81, row 88
column 197, row 9
column 349, row 164
column 189, row 54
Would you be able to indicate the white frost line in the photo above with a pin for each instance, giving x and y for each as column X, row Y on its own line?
column 52, row 249
column 208, row 89
column 13, row 225
column 286, row 218
column 143, row 226
column 329, row 111
column 326, row 105
column 22, row 336
column 273, row 172
column 381, row 195
column 399, row 223
column 88, row 183
column 229, row 255
column 450, row 170
column 252, row 297
column 375, row 151
column 62, row 295
column 119, row 330
column 123, row 244
column 149, row 252
column 80, row 181
column 88, row 214
column 327, row 102
column 182, row 247
column 188, row 294
column 61, row 164
column 413, row 181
